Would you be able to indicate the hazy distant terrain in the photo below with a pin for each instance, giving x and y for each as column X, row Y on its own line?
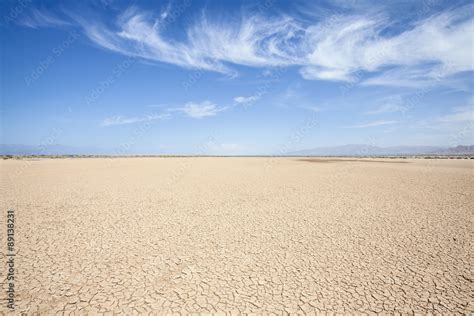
column 50, row 150
column 368, row 150
column 347, row 150
column 241, row 235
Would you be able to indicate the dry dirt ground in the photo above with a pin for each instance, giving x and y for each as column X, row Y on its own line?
column 240, row 235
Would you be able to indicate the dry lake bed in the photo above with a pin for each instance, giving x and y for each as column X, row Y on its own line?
column 239, row 235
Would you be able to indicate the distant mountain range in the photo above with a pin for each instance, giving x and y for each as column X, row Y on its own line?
column 368, row 150
column 346, row 150
column 48, row 150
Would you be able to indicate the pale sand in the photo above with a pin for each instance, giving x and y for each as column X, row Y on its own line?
column 278, row 235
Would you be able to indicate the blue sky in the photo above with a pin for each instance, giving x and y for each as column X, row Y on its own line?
column 236, row 77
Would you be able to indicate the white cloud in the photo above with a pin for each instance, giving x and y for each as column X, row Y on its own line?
column 246, row 100
column 337, row 47
column 209, row 45
column 200, row 110
column 120, row 120
column 372, row 124
column 322, row 73
column 422, row 76
column 191, row 109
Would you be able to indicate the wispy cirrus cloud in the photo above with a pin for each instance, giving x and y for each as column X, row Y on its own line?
column 197, row 110
column 352, row 46
column 246, row 100
column 121, row 120
column 36, row 18
column 207, row 108
column 334, row 48
column 200, row 110
column 372, row 124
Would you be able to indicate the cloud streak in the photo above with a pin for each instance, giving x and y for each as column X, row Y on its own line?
column 120, row 120
column 246, row 100
column 372, row 124
column 333, row 49
column 351, row 47
column 200, row 110
column 194, row 110
column 36, row 18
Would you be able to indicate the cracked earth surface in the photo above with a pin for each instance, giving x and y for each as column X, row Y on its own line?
column 240, row 235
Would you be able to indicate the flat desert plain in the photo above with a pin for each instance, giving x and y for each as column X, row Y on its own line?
column 240, row 235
